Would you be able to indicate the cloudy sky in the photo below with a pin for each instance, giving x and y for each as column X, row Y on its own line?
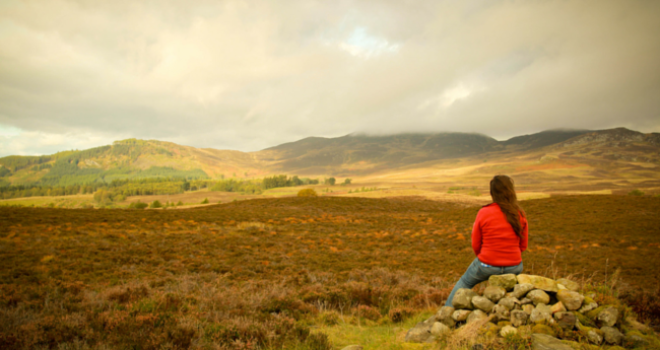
column 248, row 75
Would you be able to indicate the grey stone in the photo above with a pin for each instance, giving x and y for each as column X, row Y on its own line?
column 547, row 342
column 482, row 303
column 460, row 315
column 494, row 293
column 444, row 316
column 438, row 329
column 588, row 305
column 570, row 285
column 419, row 333
column 571, row 300
column 463, row 299
column 508, row 330
column 539, row 282
column 594, row 336
column 509, row 302
column 559, row 307
column 520, row 290
column 506, row 281
column 612, row 335
column 501, row 313
column 608, row 317
column 540, row 314
column 634, row 341
column 539, row 297
column 528, row 309
column 566, row 320
column 518, row 318
column 525, row 301
column 476, row 315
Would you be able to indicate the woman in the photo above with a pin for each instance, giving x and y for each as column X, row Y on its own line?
column 499, row 236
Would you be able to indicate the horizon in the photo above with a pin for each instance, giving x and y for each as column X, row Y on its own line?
column 249, row 75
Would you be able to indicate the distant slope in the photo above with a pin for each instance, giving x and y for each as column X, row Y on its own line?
column 542, row 139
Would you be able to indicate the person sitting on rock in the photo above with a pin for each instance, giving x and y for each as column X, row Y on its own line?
column 499, row 236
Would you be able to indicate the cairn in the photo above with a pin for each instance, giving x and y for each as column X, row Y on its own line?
column 548, row 309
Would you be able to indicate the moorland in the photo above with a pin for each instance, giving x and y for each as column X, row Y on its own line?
column 295, row 273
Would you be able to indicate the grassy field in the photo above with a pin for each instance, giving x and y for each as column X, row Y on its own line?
column 273, row 272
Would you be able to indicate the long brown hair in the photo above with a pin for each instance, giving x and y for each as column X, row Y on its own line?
column 503, row 193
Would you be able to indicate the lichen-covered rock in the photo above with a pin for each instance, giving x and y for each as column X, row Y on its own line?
column 476, row 315
column 483, row 303
column 520, row 290
column 539, row 297
column 608, row 316
column 509, row 302
column 570, row 285
column 460, row 315
column 558, row 307
column 494, row 293
column 634, row 339
column 571, row 300
column 528, row 309
column 543, row 329
column 353, row 347
column 439, row 329
column 506, row 330
column 565, row 320
column 518, row 318
column 463, row 299
column 418, row 334
column 612, row 335
column 444, row 316
column 506, row 281
column 540, row 314
column 539, row 282
column 525, row 301
column 561, row 286
column 542, row 341
column 587, row 305
column 634, row 325
column 501, row 313
column 594, row 335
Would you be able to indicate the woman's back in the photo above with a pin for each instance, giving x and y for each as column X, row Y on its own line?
column 493, row 239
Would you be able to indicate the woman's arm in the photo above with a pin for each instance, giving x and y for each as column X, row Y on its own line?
column 525, row 235
column 476, row 234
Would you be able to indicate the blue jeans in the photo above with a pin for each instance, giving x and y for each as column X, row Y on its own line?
column 476, row 274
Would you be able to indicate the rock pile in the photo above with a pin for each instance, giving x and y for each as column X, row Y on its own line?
column 549, row 309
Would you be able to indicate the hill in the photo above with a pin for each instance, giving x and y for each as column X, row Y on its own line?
column 554, row 160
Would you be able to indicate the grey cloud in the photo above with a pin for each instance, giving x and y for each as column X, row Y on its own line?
column 251, row 74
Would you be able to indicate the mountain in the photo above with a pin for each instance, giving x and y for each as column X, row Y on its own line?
column 601, row 154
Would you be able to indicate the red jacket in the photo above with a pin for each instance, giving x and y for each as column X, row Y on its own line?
column 493, row 239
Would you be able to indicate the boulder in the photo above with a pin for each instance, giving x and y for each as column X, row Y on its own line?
column 525, row 301
column 506, row 330
column 444, row 316
column 587, row 305
column 547, row 342
column 482, row 303
column 565, row 320
column 418, row 334
column 634, row 340
column 476, row 315
column 506, row 281
column 540, row 314
column 463, row 299
column 460, row 315
column 494, row 293
column 559, row 307
column 570, row 285
column 518, row 318
column 594, row 335
column 634, row 325
column 571, row 300
column 509, row 302
column 528, row 309
column 608, row 316
column 439, row 329
column 501, row 312
column 520, row 290
column 561, row 286
column 539, row 282
column 612, row 335
column 539, row 297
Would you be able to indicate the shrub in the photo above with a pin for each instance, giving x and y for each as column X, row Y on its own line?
column 347, row 181
column 636, row 192
column 138, row 205
column 318, row 341
column 179, row 203
column 205, row 201
column 368, row 312
column 400, row 314
column 329, row 318
column 307, row 192
column 156, row 204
